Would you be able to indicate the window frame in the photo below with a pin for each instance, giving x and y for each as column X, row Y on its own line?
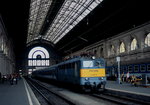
column 148, row 68
column 134, row 44
column 137, row 68
column 141, row 68
column 122, row 48
column 130, row 68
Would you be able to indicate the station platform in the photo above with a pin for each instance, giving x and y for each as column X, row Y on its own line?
column 17, row 94
column 128, row 90
column 21, row 94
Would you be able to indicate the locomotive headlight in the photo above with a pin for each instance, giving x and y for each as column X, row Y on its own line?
column 101, row 78
column 86, row 79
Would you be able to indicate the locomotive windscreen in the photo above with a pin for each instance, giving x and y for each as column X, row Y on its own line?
column 93, row 68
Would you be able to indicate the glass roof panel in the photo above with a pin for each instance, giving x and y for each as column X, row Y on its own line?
column 38, row 12
column 69, row 15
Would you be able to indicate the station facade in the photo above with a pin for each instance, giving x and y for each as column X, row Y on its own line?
column 7, row 56
column 132, row 46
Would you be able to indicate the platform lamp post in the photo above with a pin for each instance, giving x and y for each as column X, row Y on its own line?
column 118, row 60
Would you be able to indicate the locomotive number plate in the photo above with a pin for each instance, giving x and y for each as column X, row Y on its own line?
column 92, row 72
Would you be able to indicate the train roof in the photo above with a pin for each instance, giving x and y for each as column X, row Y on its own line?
column 69, row 61
column 77, row 59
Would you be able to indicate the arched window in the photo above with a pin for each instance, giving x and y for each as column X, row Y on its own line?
column 122, row 47
column 134, row 44
column 1, row 42
column 147, row 40
column 38, row 56
column 112, row 51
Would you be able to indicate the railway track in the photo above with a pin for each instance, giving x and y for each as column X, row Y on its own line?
column 50, row 97
column 119, row 100
column 53, row 98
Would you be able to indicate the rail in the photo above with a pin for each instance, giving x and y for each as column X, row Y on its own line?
column 120, row 100
column 50, row 96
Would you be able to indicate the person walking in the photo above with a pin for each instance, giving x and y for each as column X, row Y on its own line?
column 127, row 76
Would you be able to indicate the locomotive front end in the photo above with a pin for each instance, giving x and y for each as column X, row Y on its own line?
column 92, row 75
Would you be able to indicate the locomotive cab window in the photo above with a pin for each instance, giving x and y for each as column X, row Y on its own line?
column 99, row 63
column 87, row 63
column 143, row 68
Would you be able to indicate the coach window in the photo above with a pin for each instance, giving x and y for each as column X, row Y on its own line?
column 143, row 67
column 125, row 69
column 122, row 48
column 136, row 68
column 121, row 69
column 148, row 67
column 147, row 40
column 134, row 44
column 130, row 68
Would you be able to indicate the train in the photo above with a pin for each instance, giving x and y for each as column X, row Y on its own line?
column 86, row 73
column 139, row 70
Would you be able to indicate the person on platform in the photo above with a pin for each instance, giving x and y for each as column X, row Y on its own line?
column 133, row 79
column 127, row 76
column 15, row 78
column 122, row 77
column 11, row 79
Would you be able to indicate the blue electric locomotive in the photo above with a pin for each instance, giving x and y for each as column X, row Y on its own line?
column 84, row 72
